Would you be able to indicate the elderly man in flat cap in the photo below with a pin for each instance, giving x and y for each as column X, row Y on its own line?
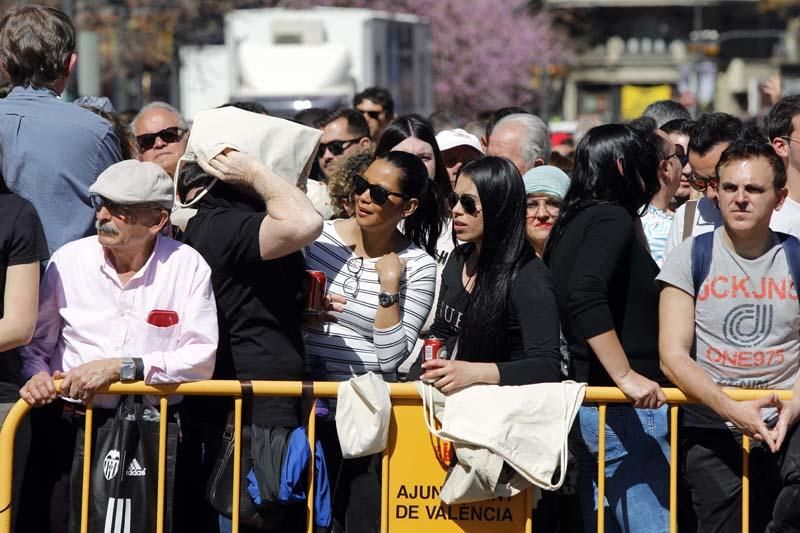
column 127, row 304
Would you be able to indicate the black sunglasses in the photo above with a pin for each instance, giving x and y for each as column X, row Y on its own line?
column 169, row 135
column 336, row 147
column 118, row 210
column 682, row 156
column 467, row 202
column 375, row 115
column 378, row 194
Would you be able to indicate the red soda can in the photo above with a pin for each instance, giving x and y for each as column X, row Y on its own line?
column 434, row 348
column 316, row 284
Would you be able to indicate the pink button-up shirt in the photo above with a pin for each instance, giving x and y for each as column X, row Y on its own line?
column 86, row 314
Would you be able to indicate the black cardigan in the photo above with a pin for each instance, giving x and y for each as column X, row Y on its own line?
column 605, row 279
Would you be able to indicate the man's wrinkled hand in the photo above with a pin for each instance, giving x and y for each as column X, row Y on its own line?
column 234, row 167
column 83, row 381
column 39, row 390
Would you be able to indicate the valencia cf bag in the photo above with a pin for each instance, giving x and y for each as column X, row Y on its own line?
column 124, row 472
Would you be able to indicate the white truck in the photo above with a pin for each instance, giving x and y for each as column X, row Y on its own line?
column 290, row 60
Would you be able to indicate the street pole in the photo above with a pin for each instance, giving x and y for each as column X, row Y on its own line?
column 71, row 90
column 698, row 27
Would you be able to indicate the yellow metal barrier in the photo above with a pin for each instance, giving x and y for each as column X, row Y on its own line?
column 406, row 391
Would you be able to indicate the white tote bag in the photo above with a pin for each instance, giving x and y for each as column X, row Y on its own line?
column 362, row 415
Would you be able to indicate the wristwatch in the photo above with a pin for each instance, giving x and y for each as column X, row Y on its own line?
column 387, row 299
column 127, row 371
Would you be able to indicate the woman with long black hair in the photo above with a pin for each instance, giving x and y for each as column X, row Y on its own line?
column 608, row 302
column 497, row 306
column 386, row 278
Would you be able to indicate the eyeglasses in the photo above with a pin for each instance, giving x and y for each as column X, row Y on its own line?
column 119, row 210
column 374, row 115
column 467, row 202
column 351, row 284
column 790, row 139
column 683, row 158
column 336, row 147
column 551, row 205
column 702, row 183
column 378, row 194
column 169, row 135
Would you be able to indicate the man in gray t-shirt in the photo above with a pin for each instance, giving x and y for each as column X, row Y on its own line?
column 739, row 330
column 746, row 314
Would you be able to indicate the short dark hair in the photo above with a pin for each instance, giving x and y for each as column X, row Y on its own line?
column 663, row 111
column 380, row 96
column 779, row 119
column 648, row 129
column 679, row 125
column 35, row 45
column 712, row 129
column 749, row 148
column 356, row 123
column 310, row 117
column 248, row 105
column 499, row 114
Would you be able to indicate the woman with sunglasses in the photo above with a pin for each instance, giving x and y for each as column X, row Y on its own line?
column 608, row 301
column 497, row 307
column 414, row 134
column 386, row 276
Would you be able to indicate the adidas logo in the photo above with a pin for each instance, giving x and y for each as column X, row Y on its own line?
column 134, row 469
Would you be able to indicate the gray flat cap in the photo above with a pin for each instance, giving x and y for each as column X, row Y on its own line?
column 135, row 182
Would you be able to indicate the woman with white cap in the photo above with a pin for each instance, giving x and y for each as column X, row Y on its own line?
column 545, row 188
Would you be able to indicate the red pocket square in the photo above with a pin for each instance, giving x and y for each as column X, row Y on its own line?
column 162, row 318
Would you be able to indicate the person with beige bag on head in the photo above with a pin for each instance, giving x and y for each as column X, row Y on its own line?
column 240, row 173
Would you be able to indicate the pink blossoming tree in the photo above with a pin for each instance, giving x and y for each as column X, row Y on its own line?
column 484, row 51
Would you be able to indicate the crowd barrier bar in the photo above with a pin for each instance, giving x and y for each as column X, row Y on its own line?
column 602, row 396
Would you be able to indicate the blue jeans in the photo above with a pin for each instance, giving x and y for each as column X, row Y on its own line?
column 225, row 524
column 637, row 469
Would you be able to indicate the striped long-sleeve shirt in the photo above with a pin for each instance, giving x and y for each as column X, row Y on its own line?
column 353, row 345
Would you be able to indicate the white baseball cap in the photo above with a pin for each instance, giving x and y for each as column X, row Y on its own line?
column 447, row 139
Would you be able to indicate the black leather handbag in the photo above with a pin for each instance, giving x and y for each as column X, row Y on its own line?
column 262, row 454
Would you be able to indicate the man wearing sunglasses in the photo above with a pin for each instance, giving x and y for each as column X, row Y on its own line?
column 657, row 219
column 783, row 130
column 711, row 134
column 377, row 106
column 678, row 131
column 161, row 135
column 344, row 132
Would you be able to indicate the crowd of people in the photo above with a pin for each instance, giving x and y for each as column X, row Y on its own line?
column 662, row 252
